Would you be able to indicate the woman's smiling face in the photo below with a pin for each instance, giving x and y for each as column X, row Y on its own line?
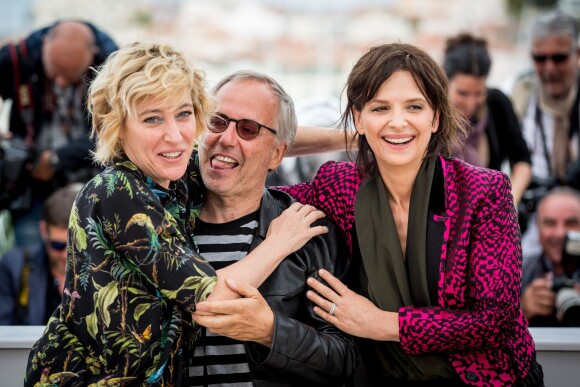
column 398, row 123
column 159, row 136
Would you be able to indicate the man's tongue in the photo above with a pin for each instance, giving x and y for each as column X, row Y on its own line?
column 219, row 164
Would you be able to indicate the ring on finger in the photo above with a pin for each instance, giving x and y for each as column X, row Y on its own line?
column 332, row 309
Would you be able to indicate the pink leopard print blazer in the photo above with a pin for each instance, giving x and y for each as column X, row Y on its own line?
column 477, row 322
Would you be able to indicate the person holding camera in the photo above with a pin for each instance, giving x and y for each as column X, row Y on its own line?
column 546, row 101
column 47, row 143
column 550, row 295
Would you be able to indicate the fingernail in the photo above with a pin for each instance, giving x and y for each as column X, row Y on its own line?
column 309, row 280
column 322, row 271
column 230, row 282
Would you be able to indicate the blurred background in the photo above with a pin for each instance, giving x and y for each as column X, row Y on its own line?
column 308, row 45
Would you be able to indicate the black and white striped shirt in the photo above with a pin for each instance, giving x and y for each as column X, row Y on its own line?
column 218, row 360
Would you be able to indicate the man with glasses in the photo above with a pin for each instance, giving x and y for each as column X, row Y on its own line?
column 269, row 335
column 32, row 277
column 546, row 102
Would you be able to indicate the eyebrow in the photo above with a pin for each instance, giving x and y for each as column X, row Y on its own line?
column 149, row 111
column 411, row 100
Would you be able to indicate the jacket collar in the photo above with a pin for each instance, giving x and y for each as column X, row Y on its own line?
column 272, row 204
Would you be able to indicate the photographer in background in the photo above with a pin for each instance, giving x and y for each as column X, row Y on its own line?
column 47, row 143
column 546, row 102
column 32, row 277
column 547, row 292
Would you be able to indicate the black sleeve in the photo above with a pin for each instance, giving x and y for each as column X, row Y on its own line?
column 511, row 141
column 309, row 349
column 10, row 272
column 6, row 74
column 75, row 155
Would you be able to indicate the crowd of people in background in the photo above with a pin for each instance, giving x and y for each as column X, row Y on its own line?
column 160, row 235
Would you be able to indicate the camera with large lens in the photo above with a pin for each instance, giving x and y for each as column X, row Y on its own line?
column 16, row 158
column 537, row 189
column 567, row 297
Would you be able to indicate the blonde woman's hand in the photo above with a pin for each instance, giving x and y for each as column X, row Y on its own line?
column 293, row 228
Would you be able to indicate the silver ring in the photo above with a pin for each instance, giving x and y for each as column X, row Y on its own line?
column 332, row 309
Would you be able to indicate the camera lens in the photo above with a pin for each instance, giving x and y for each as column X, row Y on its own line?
column 568, row 307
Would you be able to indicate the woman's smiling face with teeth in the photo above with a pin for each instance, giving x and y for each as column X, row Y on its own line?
column 159, row 137
column 398, row 123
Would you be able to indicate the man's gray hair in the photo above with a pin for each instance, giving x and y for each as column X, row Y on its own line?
column 286, row 121
column 555, row 23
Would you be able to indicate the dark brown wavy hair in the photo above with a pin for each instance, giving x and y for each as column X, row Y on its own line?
column 374, row 68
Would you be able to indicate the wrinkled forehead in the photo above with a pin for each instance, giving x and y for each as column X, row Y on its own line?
column 556, row 43
column 248, row 98
column 561, row 204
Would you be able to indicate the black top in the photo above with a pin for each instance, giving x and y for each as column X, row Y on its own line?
column 503, row 132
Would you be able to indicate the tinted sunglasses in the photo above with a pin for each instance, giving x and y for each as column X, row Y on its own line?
column 246, row 129
column 556, row 58
column 55, row 245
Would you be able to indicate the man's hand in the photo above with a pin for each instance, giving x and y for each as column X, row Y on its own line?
column 246, row 319
column 43, row 169
column 538, row 299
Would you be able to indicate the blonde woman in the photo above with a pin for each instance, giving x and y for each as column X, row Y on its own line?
column 133, row 277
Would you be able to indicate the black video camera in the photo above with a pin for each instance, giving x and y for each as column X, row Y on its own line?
column 537, row 189
column 570, row 262
column 16, row 161
column 567, row 296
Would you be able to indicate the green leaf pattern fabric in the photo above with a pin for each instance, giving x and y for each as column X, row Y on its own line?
column 133, row 278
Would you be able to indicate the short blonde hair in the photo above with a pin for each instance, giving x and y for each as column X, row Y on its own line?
column 132, row 74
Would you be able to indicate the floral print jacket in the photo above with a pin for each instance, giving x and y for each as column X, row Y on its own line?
column 132, row 280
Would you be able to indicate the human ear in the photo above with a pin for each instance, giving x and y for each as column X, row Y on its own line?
column 435, row 123
column 277, row 156
column 357, row 124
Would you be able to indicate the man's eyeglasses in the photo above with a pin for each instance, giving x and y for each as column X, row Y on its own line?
column 56, row 245
column 556, row 58
column 246, row 129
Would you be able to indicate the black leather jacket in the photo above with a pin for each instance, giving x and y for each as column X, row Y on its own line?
column 306, row 350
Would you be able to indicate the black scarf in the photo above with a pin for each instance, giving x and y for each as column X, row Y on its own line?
column 395, row 281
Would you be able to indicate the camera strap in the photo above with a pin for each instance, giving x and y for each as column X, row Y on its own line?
column 573, row 125
column 24, row 100
column 540, row 126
